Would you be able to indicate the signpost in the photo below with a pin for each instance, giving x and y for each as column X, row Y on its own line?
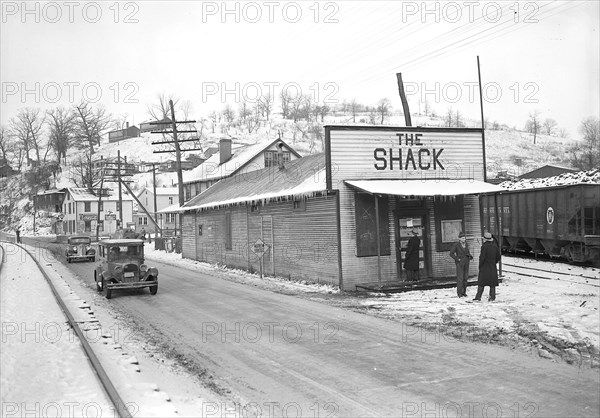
column 260, row 248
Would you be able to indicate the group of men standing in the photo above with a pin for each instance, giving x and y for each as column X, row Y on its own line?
column 461, row 253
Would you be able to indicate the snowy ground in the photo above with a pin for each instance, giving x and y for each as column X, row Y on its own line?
column 557, row 319
column 44, row 371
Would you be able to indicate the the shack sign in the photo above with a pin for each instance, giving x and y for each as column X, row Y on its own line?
column 408, row 153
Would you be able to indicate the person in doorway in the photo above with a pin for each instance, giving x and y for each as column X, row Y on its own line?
column 143, row 234
column 18, row 234
column 488, row 273
column 411, row 261
column 462, row 257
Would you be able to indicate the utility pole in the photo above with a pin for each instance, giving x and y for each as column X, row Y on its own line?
column 154, row 188
column 120, row 208
column 178, row 150
column 405, row 108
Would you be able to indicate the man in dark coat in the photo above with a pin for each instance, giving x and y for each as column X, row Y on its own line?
column 411, row 260
column 488, row 273
column 462, row 256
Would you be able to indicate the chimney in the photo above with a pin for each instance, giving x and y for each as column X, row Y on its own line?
column 280, row 156
column 126, row 125
column 224, row 150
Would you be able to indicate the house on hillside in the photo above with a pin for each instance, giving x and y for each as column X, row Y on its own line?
column 345, row 217
column 80, row 209
column 240, row 161
column 165, row 197
column 546, row 171
column 49, row 204
column 5, row 169
column 125, row 133
column 151, row 125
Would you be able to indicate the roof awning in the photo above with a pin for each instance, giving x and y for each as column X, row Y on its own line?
column 430, row 187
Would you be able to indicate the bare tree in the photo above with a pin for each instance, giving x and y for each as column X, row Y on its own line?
column 84, row 173
column 62, row 130
column 286, row 100
column 458, row 121
column 296, row 108
column 4, row 143
column 448, row 118
column 533, row 124
column 427, row 107
column 266, row 105
column 90, row 123
column 549, row 126
column 228, row 114
column 160, row 109
column 384, row 107
column 244, row 111
column 586, row 153
column 324, row 110
column 27, row 127
column 354, row 108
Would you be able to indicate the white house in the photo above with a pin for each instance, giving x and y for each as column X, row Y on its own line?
column 80, row 209
column 165, row 196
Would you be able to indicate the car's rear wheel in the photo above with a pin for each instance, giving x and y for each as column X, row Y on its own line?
column 108, row 293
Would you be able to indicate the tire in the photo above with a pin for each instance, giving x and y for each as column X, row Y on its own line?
column 108, row 293
column 153, row 289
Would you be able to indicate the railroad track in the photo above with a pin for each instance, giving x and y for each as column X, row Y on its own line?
column 548, row 273
column 119, row 405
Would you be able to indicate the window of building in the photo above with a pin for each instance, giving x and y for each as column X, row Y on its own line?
column 228, row 238
column 145, row 220
column 200, row 230
column 170, row 200
column 139, row 221
column 271, row 158
column 366, row 225
column 449, row 215
column 87, row 206
column 87, row 226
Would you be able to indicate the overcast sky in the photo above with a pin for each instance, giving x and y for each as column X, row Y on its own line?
column 535, row 55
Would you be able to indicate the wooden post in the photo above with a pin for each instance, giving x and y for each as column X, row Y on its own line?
column 154, row 191
column 120, row 189
column 178, row 166
column 482, row 119
column 378, row 241
column 405, row 108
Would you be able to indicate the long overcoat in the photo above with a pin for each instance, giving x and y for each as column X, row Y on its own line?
column 412, row 253
column 489, row 256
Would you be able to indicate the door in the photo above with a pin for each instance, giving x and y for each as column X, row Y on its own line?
column 404, row 227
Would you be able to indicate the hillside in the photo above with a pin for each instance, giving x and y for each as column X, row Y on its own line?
column 508, row 151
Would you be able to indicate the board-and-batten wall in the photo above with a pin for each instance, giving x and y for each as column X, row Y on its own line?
column 303, row 240
column 352, row 156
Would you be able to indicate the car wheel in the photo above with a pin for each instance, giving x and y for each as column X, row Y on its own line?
column 153, row 289
column 93, row 259
column 108, row 293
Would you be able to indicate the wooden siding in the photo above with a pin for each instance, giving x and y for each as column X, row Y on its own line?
column 189, row 240
column 352, row 157
column 302, row 242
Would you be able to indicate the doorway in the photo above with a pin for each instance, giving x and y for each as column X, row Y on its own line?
column 404, row 225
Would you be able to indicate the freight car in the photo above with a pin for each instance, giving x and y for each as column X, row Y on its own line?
column 559, row 221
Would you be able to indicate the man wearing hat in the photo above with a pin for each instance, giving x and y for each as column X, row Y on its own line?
column 462, row 256
column 488, row 273
column 411, row 260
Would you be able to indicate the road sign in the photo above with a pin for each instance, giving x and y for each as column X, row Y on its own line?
column 260, row 248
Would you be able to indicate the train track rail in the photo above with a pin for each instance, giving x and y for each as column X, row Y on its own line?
column 548, row 273
column 110, row 389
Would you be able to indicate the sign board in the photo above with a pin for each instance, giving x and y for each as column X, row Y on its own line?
column 110, row 217
column 88, row 217
column 260, row 248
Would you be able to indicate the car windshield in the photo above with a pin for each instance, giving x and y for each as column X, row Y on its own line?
column 77, row 241
column 121, row 252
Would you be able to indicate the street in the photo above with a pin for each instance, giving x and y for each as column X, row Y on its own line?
column 281, row 355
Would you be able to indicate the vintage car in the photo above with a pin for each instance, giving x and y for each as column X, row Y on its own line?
column 122, row 267
column 79, row 247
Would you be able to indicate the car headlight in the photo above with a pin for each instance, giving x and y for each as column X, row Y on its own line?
column 74, row 249
column 118, row 269
column 143, row 268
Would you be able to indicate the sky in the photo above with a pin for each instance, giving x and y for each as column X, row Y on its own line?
column 535, row 56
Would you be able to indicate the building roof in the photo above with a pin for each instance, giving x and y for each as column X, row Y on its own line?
column 162, row 191
column 546, row 171
column 212, row 169
column 81, row 194
column 302, row 177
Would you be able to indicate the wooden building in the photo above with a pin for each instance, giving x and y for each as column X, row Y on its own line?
column 125, row 133
column 344, row 217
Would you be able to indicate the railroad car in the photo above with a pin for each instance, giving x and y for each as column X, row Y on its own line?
column 560, row 221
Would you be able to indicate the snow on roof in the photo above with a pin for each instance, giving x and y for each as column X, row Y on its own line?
column 302, row 177
column 163, row 191
column 212, row 169
column 578, row 177
column 81, row 194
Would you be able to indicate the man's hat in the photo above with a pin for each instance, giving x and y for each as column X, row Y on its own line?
column 461, row 234
column 487, row 236
column 415, row 232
